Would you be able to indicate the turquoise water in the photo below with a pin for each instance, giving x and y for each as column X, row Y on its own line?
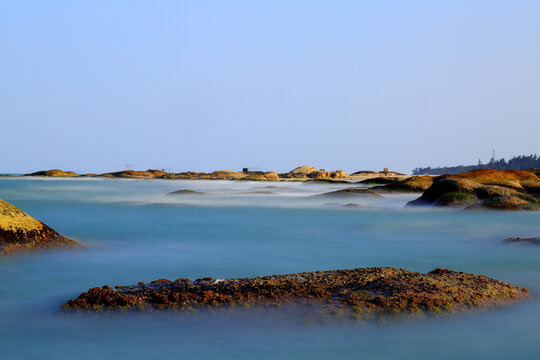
column 134, row 232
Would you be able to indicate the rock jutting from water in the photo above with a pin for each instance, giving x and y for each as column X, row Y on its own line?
column 485, row 188
column 520, row 240
column 357, row 293
column 351, row 192
column 412, row 184
column 21, row 232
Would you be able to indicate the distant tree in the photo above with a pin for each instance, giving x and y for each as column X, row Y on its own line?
column 522, row 162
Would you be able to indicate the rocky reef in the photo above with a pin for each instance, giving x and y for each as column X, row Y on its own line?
column 520, row 240
column 485, row 188
column 21, row 232
column 411, row 184
column 351, row 192
column 356, row 293
column 309, row 172
column 53, row 173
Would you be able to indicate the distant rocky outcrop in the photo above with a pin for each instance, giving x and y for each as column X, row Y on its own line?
column 302, row 171
column 364, row 293
column 520, row 240
column 53, row 173
column 351, row 192
column 309, row 172
column 134, row 174
column 463, row 192
column 21, row 232
column 411, row 184
column 185, row 192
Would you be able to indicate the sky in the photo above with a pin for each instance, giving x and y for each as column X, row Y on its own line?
column 96, row 86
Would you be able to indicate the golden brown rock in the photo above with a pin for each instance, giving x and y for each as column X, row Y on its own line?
column 21, row 232
column 362, row 292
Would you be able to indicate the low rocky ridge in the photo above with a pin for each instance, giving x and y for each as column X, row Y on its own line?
column 358, row 293
column 301, row 173
column 186, row 192
column 53, row 173
column 351, row 192
column 411, row 184
column 21, row 232
column 520, row 240
column 485, row 188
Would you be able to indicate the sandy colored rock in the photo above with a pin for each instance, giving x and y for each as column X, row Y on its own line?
column 53, row 173
column 411, row 184
column 21, row 232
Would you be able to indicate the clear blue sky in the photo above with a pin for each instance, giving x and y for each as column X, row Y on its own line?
column 204, row 85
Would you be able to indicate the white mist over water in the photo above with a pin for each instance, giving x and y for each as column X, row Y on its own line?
column 134, row 232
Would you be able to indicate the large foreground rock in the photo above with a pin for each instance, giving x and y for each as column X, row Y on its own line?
column 21, row 232
column 363, row 292
column 467, row 193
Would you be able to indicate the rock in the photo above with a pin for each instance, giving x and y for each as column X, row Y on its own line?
column 460, row 192
column 358, row 293
column 53, row 173
column 365, row 172
column 518, row 240
column 508, row 178
column 323, row 174
column 302, row 171
column 261, row 192
column 351, row 192
column 412, row 184
column 21, row 232
column 327, row 181
column 449, row 192
column 380, row 180
column 186, row 192
column 534, row 171
column 134, row 174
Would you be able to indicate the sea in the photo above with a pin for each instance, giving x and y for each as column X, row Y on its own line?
column 132, row 231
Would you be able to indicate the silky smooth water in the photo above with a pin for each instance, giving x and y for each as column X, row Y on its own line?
column 133, row 231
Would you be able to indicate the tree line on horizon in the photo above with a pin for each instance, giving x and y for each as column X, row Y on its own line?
column 522, row 162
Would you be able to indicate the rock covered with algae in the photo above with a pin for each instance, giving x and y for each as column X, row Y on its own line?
column 21, row 232
column 356, row 293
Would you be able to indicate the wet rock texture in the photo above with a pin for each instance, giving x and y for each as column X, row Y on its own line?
column 21, row 232
column 357, row 293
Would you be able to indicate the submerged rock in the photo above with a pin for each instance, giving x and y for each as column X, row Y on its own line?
column 519, row 240
column 358, row 293
column 21, row 232
column 351, row 192
column 185, row 192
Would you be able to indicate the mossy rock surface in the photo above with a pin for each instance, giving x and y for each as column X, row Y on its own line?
column 458, row 192
column 362, row 292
